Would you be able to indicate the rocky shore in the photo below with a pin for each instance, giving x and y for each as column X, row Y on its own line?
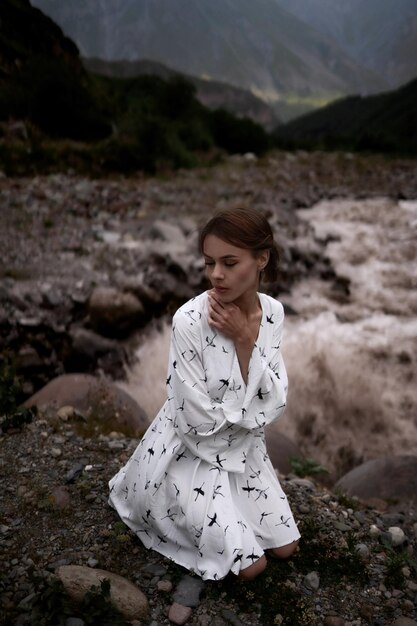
column 87, row 267
column 87, row 264
column 356, row 565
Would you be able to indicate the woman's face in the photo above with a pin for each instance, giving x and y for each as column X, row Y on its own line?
column 232, row 271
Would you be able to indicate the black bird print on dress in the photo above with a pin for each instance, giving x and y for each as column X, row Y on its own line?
column 201, row 485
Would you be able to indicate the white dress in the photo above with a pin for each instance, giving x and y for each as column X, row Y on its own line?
column 200, row 488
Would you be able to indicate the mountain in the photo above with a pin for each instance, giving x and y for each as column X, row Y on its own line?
column 254, row 45
column 378, row 34
column 56, row 115
column 384, row 123
column 42, row 78
column 25, row 32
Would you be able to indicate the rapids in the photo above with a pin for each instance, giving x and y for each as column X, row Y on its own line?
column 351, row 359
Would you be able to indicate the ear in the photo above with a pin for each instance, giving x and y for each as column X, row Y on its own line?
column 263, row 259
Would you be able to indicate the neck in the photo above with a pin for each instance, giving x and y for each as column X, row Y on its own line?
column 248, row 304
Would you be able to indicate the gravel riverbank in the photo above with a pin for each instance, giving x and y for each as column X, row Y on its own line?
column 355, row 566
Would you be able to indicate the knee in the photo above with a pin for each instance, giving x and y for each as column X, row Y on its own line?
column 251, row 572
column 284, row 552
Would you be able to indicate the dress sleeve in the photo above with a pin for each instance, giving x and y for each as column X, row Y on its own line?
column 221, row 433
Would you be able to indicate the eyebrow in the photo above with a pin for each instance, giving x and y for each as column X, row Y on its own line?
column 226, row 256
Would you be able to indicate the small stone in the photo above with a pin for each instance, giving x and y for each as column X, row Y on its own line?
column 60, row 498
column 154, row 569
column 232, row 618
column 65, row 413
column 56, row 452
column 404, row 621
column 312, row 581
column 179, row 614
column 124, row 595
column 303, row 482
column 374, row 531
column 367, row 612
column 397, row 535
column 116, row 445
column 363, row 550
column 92, row 562
column 334, row 620
column 164, row 585
column 74, row 473
column 188, row 591
column 74, row 621
column 407, row 606
column 392, row 519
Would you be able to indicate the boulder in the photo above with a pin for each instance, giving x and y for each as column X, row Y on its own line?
column 124, row 595
column 167, row 231
column 100, row 401
column 391, row 478
column 113, row 312
column 89, row 351
column 281, row 449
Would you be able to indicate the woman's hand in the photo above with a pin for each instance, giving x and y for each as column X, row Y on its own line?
column 228, row 319
column 231, row 322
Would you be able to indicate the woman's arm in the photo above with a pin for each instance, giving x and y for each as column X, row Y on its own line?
column 219, row 432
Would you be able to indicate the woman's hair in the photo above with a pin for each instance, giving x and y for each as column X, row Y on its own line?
column 244, row 228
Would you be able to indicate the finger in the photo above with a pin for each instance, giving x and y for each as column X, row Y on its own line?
column 213, row 308
column 212, row 297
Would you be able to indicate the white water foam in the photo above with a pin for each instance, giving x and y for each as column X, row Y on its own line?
column 351, row 363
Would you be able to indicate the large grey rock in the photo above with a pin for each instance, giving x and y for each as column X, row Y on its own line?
column 167, row 231
column 392, row 478
column 88, row 349
column 113, row 312
column 281, row 450
column 124, row 595
column 99, row 400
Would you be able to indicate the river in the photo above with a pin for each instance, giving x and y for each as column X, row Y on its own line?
column 351, row 357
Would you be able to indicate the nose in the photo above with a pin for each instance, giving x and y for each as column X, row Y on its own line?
column 217, row 273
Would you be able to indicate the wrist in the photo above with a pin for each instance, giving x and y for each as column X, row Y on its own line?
column 245, row 340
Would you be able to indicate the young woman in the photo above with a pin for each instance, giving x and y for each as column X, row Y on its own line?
column 200, row 488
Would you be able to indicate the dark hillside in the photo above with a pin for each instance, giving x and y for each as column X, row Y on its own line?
column 213, row 94
column 56, row 115
column 42, row 79
column 383, row 123
column 25, row 32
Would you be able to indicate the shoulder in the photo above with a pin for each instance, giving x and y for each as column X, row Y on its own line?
column 272, row 306
column 191, row 313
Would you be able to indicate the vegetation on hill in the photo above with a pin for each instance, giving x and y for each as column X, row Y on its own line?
column 384, row 123
column 72, row 118
column 213, row 94
column 55, row 115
